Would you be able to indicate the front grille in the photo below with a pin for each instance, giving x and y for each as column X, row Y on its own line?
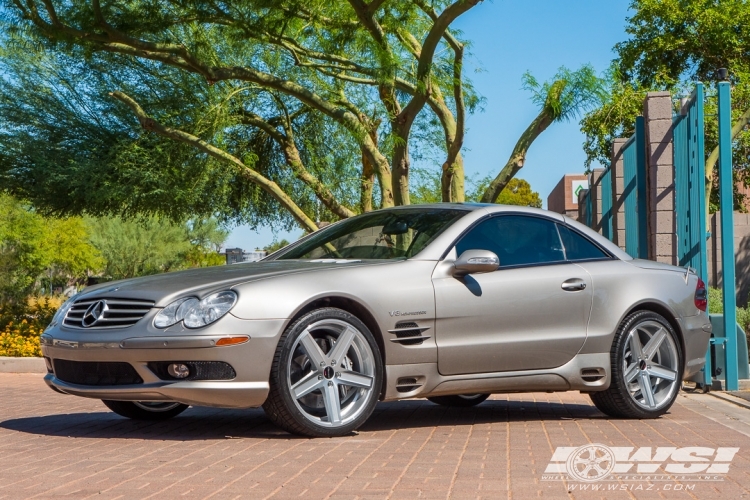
column 199, row 370
column 95, row 373
column 116, row 313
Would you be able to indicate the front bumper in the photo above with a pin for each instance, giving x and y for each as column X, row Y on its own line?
column 230, row 394
column 139, row 346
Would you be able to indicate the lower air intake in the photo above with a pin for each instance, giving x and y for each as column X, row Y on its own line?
column 95, row 373
column 199, row 370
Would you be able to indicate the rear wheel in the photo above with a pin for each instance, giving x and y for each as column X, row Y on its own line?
column 145, row 410
column 460, row 400
column 326, row 375
column 646, row 367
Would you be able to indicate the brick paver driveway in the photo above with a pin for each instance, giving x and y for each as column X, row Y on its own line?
column 61, row 446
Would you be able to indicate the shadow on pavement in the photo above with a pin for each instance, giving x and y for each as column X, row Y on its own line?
column 198, row 423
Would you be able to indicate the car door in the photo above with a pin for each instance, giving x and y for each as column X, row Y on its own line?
column 529, row 314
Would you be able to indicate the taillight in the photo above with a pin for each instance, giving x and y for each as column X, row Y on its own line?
column 701, row 295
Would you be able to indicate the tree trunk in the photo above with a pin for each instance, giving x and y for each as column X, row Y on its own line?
column 401, row 165
column 518, row 156
column 291, row 154
column 452, row 181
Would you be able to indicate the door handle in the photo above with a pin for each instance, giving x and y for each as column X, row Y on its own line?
column 573, row 285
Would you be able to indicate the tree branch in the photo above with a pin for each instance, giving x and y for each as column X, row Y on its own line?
column 518, row 156
column 266, row 184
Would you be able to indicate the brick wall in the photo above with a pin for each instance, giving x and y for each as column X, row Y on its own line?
column 741, row 254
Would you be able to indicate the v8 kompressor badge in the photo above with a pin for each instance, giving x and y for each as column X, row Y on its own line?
column 409, row 313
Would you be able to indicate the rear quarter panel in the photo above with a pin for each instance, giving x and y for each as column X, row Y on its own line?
column 620, row 287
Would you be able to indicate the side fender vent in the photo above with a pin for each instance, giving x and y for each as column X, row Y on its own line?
column 409, row 384
column 409, row 333
column 591, row 375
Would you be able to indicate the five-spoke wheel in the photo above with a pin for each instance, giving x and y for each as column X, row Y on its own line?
column 646, row 367
column 326, row 375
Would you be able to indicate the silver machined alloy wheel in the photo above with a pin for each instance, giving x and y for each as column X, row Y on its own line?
column 647, row 366
column 650, row 363
column 331, row 374
column 326, row 376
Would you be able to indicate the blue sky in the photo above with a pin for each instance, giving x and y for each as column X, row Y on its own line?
column 508, row 38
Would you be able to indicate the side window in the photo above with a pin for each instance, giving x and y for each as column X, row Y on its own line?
column 577, row 247
column 516, row 239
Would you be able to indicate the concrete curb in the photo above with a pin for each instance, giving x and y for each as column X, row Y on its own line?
column 22, row 365
column 731, row 399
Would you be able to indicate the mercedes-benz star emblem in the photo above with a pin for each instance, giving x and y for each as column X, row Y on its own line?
column 94, row 313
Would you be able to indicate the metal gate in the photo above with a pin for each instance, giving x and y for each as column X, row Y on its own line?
column 689, row 180
column 606, row 222
column 634, row 192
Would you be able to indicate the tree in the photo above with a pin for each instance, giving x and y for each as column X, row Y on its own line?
column 518, row 192
column 562, row 98
column 672, row 44
column 34, row 248
column 276, row 245
column 257, row 75
column 133, row 247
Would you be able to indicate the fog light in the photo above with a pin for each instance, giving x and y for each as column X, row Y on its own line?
column 48, row 362
column 178, row 370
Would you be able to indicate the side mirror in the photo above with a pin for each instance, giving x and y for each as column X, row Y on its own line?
column 475, row 261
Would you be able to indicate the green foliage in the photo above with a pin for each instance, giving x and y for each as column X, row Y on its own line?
column 672, row 44
column 425, row 186
column 615, row 117
column 567, row 94
column 518, row 192
column 70, row 148
column 34, row 249
column 276, row 245
column 716, row 306
column 426, row 189
column 137, row 247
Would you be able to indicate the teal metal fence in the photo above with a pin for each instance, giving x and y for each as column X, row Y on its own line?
column 689, row 178
column 726, row 205
column 588, row 216
column 606, row 221
column 634, row 192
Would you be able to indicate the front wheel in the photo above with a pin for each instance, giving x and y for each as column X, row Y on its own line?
column 646, row 367
column 460, row 400
column 145, row 410
column 326, row 375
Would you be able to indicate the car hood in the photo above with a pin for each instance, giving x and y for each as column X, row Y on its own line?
column 163, row 288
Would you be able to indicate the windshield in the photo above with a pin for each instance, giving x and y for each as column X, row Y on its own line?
column 386, row 234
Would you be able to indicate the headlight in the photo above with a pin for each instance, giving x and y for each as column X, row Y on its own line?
column 196, row 313
column 60, row 314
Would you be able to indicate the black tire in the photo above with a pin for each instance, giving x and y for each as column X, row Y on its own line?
column 140, row 411
column 297, row 418
column 616, row 401
column 461, row 400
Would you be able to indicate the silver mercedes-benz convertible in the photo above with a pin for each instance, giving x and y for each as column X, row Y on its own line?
column 450, row 302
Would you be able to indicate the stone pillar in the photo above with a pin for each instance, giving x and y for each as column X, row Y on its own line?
column 657, row 113
column 595, row 190
column 617, row 169
column 741, row 254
